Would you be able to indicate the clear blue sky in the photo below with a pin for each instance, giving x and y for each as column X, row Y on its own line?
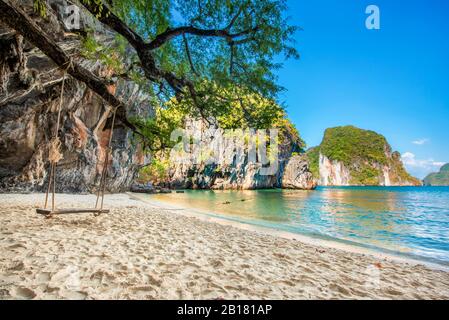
column 394, row 80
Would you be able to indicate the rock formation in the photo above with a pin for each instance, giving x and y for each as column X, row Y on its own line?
column 440, row 178
column 30, row 85
column 296, row 174
column 353, row 156
column 234, row 169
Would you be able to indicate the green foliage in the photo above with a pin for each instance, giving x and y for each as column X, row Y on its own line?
column 157, row 170
column 289, row 133
column 156, row 131
column 440, row 178
column 365, row 175
column 99, row 3
column 244, row 61
column 257, row 32
column 264, row 114
column 40, row 7
column 244, row 109
column 349, row 144
column 255, row 112
column 240, row 108
column 398, row 174
column 232, row 76
column 110, row 56
column 363, row 152
column 313, row 154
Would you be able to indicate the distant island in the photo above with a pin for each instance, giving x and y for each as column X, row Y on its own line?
column 352, row 156
column 440, row 178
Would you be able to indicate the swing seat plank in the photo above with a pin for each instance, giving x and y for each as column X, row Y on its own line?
column 69, row 211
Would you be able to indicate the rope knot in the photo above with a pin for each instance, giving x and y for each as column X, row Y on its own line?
column 54, row 152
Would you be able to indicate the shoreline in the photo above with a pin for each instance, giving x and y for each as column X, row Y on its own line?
column 307, row 239
column 144, row 251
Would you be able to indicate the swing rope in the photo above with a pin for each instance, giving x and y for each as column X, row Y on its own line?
column 54, row 152
column 101, row 189
column 55, row 155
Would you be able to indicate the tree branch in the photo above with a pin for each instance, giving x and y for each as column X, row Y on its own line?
column 18, row 20
column 200, row 13
column 144, row 50
column 148, row 62
column 231, row 60
column 189, row 56
column 106, row 16
column 172, row 33
column 234, row 18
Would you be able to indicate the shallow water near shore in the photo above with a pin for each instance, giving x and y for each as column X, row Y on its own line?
column 410, row 221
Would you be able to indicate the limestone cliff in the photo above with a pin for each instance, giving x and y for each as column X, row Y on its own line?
column 440, row 178
column 352, row 156
column 30, row 85
column 235, row 170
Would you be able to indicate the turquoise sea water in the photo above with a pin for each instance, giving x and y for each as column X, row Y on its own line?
column 411, row 221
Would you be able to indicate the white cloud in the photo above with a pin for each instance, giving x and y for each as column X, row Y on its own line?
column 420, row 142
column 420, row 167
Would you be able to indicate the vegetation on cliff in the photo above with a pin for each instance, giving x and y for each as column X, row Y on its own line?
column 193, row 66
column 440, row 178
column 241, row 109
column 364, row 152
column 350, row 144
column 313, row 155
column 172, row 48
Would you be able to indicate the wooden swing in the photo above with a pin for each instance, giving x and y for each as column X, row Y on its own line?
column 54, row 157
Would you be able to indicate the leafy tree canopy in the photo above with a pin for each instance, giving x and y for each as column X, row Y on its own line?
column 227, row 41
column 239, row 108
column 216, row 57
column 181, row 43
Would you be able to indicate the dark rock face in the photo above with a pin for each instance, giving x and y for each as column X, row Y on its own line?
column 30, row 85
column 148, row 188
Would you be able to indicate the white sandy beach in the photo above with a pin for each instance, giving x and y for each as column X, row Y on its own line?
column 141, row 251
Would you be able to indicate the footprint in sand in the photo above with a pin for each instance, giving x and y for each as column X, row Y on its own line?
column 339, row 289
column 24, row 293
column 154, row 281
column 142, row 289
column 215, row 263
column 43, row 277
column 4, row 294
column 16, row 246
column 393, row 292
column 75, row 295
column 16, row 266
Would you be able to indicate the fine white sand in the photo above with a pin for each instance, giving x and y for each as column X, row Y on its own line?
column 141, row 251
